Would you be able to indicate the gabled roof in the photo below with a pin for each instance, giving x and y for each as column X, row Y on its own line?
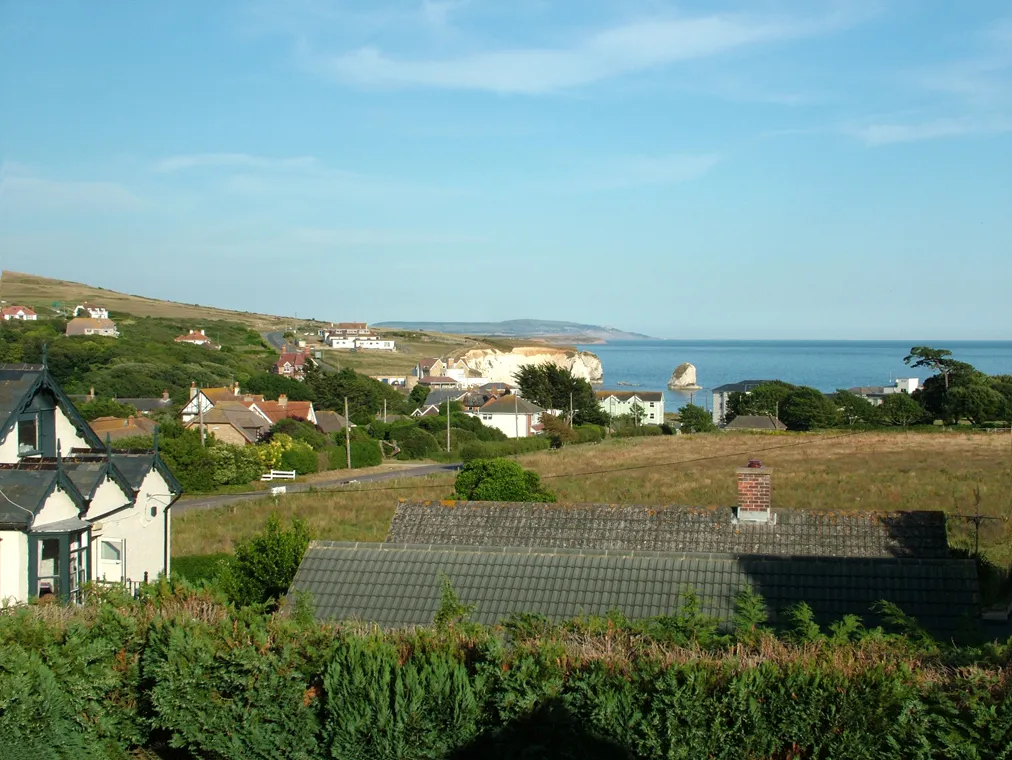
column 18, row 385
column 25, row 486
column 510, row 405
column 247, row 422
column 123, row 427
column 627, row 527
column 135, row 466
column 15, row 310
column 429, row 362
column 627, row 395
column 756, row 422
column 438, row 396
column 295, row 359
column 273, row 410
column 742, row 386
column 398, row 585
column 331, row 422
column 436, row 380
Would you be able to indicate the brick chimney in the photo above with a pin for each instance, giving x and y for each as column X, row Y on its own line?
column 193, row 389
column 235, row 389
column 283, row 400
column 754, row 493
column 165, row 395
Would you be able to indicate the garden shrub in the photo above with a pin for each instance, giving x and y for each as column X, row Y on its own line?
column 264, row 564
column 363, row 454
column 301, row 458
column 499, row 480
column 415, row 443
column 492, row 450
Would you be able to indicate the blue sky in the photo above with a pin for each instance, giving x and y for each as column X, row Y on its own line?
column 763, row 169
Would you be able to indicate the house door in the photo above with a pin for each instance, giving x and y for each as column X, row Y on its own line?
column 111, row 560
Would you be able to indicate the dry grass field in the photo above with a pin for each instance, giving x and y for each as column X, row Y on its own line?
column 41, row 292
column 881, row 471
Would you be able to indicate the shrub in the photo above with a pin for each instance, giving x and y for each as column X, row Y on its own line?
column 301, row 458
column 264, row 564
column 199, row 567
column 416, row 443
column 499, row 480
column 104, row 407
column 589, row 433
column 363, row 454
column 300, row 430
column 695, row 419
column 492, row 450
column 638, row 432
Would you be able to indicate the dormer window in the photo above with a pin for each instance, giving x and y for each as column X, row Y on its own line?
column 28, row 435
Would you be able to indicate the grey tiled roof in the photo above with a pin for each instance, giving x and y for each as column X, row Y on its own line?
column 670, row 528
column 742, row 386
column 756, row 422
column 16, row 380
column 134, row 466
column 399, row 585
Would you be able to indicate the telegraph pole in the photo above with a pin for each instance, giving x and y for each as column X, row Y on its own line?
column 200, row 415
column 516, row 417
column 447, row 424
column 347, row 433
column 384, row 411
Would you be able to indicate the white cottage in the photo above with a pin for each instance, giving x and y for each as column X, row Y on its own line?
column 95, row 515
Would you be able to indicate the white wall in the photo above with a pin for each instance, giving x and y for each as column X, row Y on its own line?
column 13, row 566
column 67, row 434
column 652, row 415
column 108, row 496
column 513, row 426
column 9, row 447
column 59, row 506
column 143, row 532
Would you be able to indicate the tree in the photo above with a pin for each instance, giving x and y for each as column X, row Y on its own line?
column 558, row 430
column 499, row 480
column 365, row 395
column 271, row 386
column 938, row 359
column 977, row 402
column 553, row 387
column 636, row 411
column 418, row 395
column 901, row 409
column 763, row 399
column 854, row 409
column 105, row 407
column 264, row 564
column 807, row 409
column 695, row 419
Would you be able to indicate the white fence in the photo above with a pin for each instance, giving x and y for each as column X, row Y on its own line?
column 278, row 475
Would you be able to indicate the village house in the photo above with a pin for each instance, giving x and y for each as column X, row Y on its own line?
column 563, row 561
column 436, row 383
column 233, row 422
column 275, row 411
column 374, row 343
column 429, row 367
column 331, row 422
column 92, row 326
column 647, row 407
column 292, row 364
column 93, row 311
column 197, row 338
column 73, row 510
column 116, row 428
column 514, row 416
column 206, row 398
column 876, row 394
column 722, row 397
column 23, row 313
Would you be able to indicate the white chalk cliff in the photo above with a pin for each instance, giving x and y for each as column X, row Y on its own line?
column 502, row 366
column 683, row 378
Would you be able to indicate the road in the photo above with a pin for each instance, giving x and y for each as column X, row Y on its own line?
column 223, row 500
column 275, row 339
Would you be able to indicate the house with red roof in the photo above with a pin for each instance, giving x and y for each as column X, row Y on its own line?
column 291, row 364
column 197, row 338
column 19, row 312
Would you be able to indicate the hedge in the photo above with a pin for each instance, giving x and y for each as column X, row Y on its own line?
column 638, row 432
column 178, row 667
column 363, row 454
column 496, row 449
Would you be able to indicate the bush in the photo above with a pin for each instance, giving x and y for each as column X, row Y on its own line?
column 300, row 430
column 416, row 443
column 301, row 458
column 499, row 480
column 695, row 419
column 589, row 433
column 363, row 454
column 104, row 407
column 199, row 567
column 638, row 432
column 513, row 446
column 264, row 564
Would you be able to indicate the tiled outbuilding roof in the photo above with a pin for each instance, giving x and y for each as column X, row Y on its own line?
column 628, row 527
column 399, row 585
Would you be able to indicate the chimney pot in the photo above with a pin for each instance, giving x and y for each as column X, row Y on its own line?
column 193, row 389
column 165, row 395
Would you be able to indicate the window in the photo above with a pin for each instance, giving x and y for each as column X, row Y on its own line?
column 28, row 435
column 651, row 404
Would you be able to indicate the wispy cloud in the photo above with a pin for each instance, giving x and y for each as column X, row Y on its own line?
column 890, row 133
column 21, row 192
column 234, row 160
column 368, row 237
column 608, row 53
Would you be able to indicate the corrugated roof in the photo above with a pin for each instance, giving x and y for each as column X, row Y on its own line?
column 399, row 585
column 629, row 527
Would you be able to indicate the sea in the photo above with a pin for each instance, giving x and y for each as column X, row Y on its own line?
column 826, row 365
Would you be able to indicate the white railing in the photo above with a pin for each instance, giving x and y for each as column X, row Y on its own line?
column 278, row 475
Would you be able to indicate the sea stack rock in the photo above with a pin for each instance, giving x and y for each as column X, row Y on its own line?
column 683, row 378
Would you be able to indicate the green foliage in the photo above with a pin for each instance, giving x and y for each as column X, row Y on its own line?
column 900, row 409
column 638, row 431
column 451, row 612
column 234, row 465
column 270, row 386
column 807, row 409
column 104, row 407
column 363, row 454
column 365, row 395
column 265, row 564
column 553, row 387
column 418, row 395
column 196, row 568
column 977, row 402
column 300, row 457
column 492, row 450
column 856, row 410
column 767, row 398
column 589, row 433
column 416, row 443
column 695, row 419
column 557, row 430
column 301, row 430
column 499, row 480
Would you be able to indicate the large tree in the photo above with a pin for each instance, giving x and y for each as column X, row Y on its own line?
column 807, row 409
column 938, row 359
column 695, row 419
column 553, row 387
column 900, row 409
column 977, row 402
column 856, row 410
column 763, row 399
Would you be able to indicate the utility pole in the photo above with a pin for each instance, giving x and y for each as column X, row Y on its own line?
column 200, row 414
column 347, row 433
column 516, row 417
column 447, row 424
column 384, row 411
column 570, row 409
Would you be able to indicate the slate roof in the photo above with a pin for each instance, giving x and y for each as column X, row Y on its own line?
column 742, row 386
column 399, row 585
column 626, row 527
column 87, row 475
column 330, row 422
column 509, row 405
column 436, row 380
column 755, row 422
column 438, row 396
column 26, row 486
column 16, row 381
column 134, row 465
column 247, row 422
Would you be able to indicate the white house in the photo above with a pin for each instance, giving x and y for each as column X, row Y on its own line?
column 877, row 394
column 23, row 313
column 196, row 338
column 93, row 311
column 648, row 406
column 722, row 397
column 73, row 511
column 341, row 341
column 514, row 416
column 374, row 343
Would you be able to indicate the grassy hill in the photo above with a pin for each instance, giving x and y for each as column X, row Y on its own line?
column 41, row 293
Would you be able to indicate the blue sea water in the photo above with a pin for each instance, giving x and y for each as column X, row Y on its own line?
column 826, row 365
